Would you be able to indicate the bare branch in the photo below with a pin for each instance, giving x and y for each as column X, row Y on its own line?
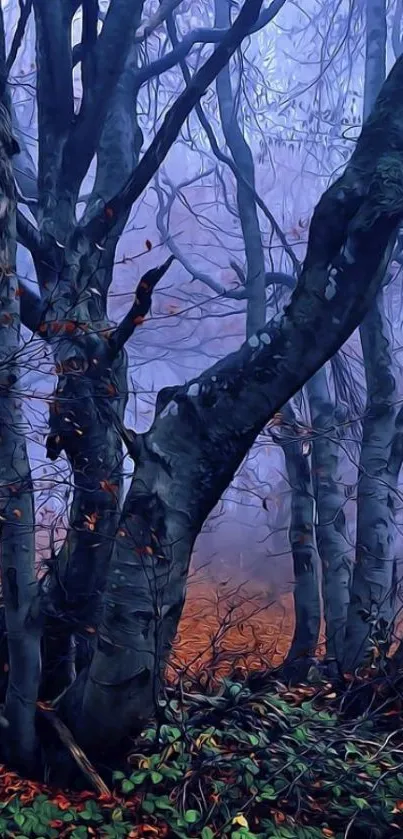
column 88, row 41
column 31, row 308
column 120, row 142
column 140, row 307
column 224, row 158
column 104, row 63
column 232, row 164
column 81, row 759
column 25, row 11
column 272, row 278
column 98, row 227
column 55, row 85
column 166, row 8
column 201, row 36
column 396, row 28
column 27, row 234
column 54, row 97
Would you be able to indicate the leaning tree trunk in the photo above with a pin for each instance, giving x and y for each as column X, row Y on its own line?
column 64, row 257
column 370, row 612
column 203, row 430
column 17, row 531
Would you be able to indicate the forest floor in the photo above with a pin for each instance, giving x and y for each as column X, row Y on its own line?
column 233, row 758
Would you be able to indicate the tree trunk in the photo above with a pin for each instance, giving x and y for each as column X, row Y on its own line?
column 88, row 410
column 306, row 590
column 379, row 468
column 370, row 611
column 331, row 532
column 198, row 438
column 307, row 607
column 255, row 275
column 16, row 495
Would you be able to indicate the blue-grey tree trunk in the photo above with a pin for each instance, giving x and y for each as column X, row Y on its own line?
column 17, row 529
column 306, row 587
column 331, row 529
column 301, row 534
column 371, row 605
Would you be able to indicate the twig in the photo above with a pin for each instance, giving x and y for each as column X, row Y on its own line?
column 141, row 305
column 76, row 752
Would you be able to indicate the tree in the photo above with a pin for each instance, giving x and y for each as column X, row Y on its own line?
column 371, row 605
column 120, row 579
column 301, row 531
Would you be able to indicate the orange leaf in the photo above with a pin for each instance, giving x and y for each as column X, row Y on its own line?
column 138, row 320
column 108, row 487
column 279, row 817
column 91, row 520
column 109, row 212
column 62, row 802
column 17, row 513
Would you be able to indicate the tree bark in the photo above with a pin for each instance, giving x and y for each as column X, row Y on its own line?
column 370, row 611
column 307, row 606
column 331, row 532
column 88, row 410
column 16, row 494
column 203, row 430
column 379, row 468
column 255, row 274
column 306, row 588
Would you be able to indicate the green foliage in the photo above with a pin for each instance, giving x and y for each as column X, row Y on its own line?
column 275, row 764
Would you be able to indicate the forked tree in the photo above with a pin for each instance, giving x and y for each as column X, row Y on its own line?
column 120, row 583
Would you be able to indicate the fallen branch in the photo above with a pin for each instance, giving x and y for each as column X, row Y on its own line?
column 76, row 752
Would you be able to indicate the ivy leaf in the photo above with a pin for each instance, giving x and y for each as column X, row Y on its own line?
column 191, row 816
column 127, row 786
column 361, row 803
